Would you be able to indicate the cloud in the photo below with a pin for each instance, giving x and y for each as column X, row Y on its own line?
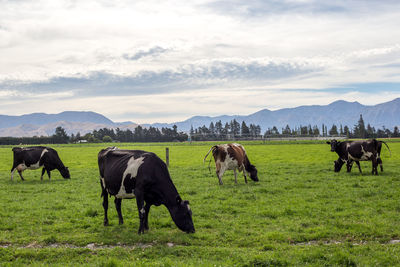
column 255, row 9
column 187, row 77
column 75, row 53
column 153, row 52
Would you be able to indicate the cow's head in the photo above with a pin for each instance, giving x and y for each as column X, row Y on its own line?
column 338, row 165
column 334, row 144
column 65, row 173
column 182, row 215
column 253, row 173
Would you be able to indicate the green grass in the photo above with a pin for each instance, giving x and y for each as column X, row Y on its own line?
column 300, row 213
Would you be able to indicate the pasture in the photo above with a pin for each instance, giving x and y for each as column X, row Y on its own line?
column 300, row 213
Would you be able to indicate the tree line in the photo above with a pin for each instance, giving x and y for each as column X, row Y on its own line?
column 218, row 131
column 227, row 131
column 139, row 134
column 357, row 131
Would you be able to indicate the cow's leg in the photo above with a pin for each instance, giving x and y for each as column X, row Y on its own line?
column 220, row 171
column 41, row 176
column 234, row 171
column 374, row 166
column 245, row 176
column 117, row 202
column 146, row 218
column 105, row 203
column 141, row 209
column 243, row 169
column 349, row 165
column 358, row 165
column 20, row 175
column 12, row 173
column 48, row 173
column 379, row 161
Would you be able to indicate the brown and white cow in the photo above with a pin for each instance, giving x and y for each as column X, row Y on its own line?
column 232, row 157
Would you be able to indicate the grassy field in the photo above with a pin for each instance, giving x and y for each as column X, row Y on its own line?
column 300, row 213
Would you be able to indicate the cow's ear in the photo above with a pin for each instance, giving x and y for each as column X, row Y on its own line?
column 186, row 202
column 178, row 199
column 328, row 142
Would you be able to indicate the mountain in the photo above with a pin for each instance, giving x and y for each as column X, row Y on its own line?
column 339, row 113
column 42, row 124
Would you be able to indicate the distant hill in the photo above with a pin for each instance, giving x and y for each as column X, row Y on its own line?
column 339, row 112
column 43, row 118
column 42, row 124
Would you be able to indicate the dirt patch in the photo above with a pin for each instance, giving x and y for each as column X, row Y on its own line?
column 336, row 242
column 91, row 246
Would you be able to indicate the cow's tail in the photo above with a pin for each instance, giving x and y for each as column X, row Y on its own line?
column 204, row 160
column 209, row 162
column 387, row 147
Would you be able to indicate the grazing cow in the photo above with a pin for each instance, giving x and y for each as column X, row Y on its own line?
column 34, row 157
column 349, row 164
column 141, row 174
column 350, row 151
column 232, row 157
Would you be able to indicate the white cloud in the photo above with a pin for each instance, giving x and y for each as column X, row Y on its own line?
column 222, row 49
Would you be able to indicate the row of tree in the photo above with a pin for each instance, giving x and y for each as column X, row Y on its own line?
column 140, row 134
column 218, row 131
column 227, row 131
column 358, row 131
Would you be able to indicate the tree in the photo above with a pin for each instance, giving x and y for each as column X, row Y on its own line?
column 235, row 128
column 60, row 136
column 346, row 131
column 359, row 129
column 396, row 132
column 333, row 131
column 310, row 130
column 226, row 131
column 287, row 130
column 316, row 130
column 212, row 129
column 274, row 131
column 218, row 128
column 107, row 139
column 245, row 131
column 370, row 132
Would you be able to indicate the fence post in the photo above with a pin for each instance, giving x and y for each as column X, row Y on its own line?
column 167, row 156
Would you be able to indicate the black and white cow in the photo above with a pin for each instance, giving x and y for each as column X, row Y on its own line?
column 350, row 151
column 141, row 174
column 349, row 163
column 34, row 157
column 232, row 157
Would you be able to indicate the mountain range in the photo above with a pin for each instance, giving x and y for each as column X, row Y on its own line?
column 339, row 113
column 42, row 124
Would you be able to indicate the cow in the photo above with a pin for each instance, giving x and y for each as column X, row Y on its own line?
column 232, row 157
column 350, row 151
column 34, row 157
column 379, row 159
column 127, row 174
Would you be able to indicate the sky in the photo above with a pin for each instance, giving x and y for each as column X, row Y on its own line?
column 166, row 61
